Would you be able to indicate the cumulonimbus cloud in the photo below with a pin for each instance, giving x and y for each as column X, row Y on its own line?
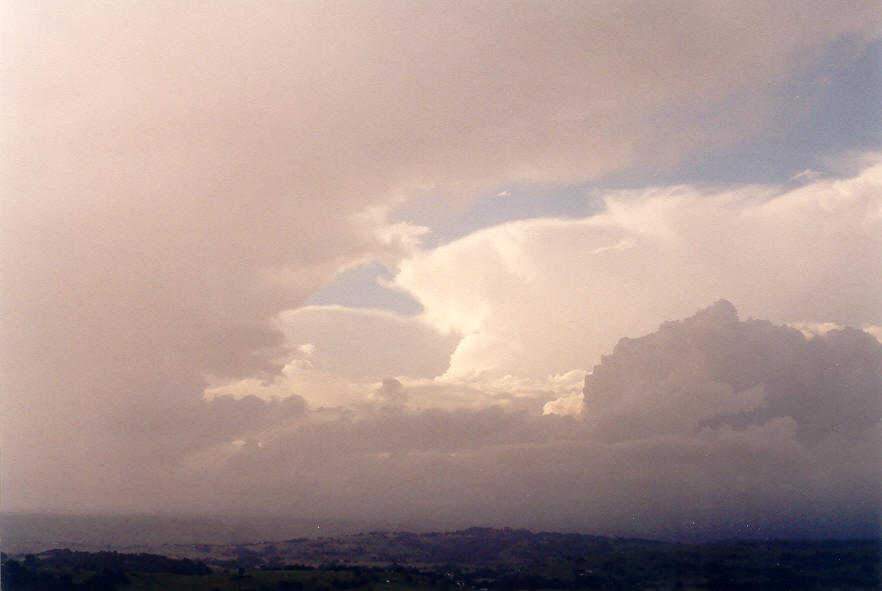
column 177, row 176
column 709, row 426
column 539, row 297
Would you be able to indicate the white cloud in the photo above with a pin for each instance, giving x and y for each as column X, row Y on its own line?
column 368, row 343
column 507, row 308
column 806, row 175
column 572, row 405
column 811, row 329
column 876, row 331
column 543, row 296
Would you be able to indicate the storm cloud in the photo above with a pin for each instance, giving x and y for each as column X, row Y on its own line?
column 711, row 426
column 180, row 179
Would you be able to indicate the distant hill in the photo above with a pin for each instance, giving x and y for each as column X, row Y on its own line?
column 470, row 547
column 35, row 532
column 495, row 548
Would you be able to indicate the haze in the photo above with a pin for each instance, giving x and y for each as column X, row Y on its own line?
column 602, row 266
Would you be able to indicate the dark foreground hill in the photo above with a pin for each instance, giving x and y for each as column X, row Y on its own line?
column 477, row 558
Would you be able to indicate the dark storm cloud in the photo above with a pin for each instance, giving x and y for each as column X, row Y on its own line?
column 711, row 426
column 701, row 370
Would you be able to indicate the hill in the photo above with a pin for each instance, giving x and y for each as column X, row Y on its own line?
column 475, row 558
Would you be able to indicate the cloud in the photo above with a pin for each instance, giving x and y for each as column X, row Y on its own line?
column 390, row 390
column 876, row 331
column 812, row 329
column 807, row 175
column 565, row 405
column 368, row 343
column 177, row 176
column 714, row 369
column 709, row 426
column 335, row 356
column 544, row 296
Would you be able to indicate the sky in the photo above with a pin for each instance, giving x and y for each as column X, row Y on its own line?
column 613, row 267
